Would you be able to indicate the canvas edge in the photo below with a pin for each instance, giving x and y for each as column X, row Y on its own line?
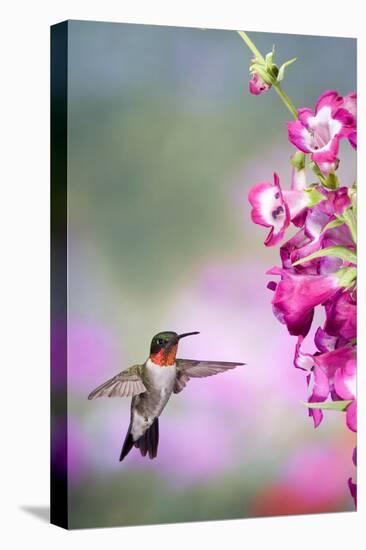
column 59, row 84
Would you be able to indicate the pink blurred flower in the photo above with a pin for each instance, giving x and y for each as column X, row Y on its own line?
column 308, row 483
column 91, row 348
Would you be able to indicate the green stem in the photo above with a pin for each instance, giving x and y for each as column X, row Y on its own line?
column 251, row 46
column 286, row 100
column 350, row 220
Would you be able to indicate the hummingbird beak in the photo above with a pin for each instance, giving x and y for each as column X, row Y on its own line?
column 176, row 338
column 186, row 334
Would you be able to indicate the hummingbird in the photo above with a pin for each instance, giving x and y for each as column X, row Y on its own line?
column 151, row 385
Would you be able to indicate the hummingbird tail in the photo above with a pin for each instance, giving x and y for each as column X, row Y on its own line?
column 148, row 443
column 127, row 445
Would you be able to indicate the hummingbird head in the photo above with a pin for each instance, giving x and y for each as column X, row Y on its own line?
column 164, row 345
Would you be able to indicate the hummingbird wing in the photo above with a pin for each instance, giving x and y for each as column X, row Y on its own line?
column 125, row 384
column 190, row 368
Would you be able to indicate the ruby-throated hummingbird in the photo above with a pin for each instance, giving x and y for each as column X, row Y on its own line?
column 150, row 385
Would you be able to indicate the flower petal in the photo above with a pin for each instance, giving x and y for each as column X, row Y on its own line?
column 330, row 99
column 352, row 138
column 324, row 341
column 342, row 316
column 257, row 85
column 296, row 296
column 351, row 416
column 304, row 361
column 345, row 380
column 353, row 490
column 298, row 135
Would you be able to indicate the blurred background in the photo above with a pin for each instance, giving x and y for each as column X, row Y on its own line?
column 164, row 143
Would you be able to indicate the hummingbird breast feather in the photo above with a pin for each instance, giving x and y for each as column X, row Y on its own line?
column 147, row 406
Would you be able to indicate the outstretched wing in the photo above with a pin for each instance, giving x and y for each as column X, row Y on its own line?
column 189, row 368
column 125, row 384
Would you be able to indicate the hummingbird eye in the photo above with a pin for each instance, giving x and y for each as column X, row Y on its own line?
column 159, row 342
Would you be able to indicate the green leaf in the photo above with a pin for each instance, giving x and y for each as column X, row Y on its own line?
column 281, row 72
column 347, row 276
column 329, row 405
column 331, row 181
column 314, row 196
column 331, row 225
column 350, row 219
column 338, row 251
column 269, row 58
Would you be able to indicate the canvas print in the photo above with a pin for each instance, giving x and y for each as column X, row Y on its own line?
column 204, row 274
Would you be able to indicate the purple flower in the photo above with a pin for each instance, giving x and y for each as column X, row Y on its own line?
column 328, row 377
column 324, row 341
column 345, row 386
column 312, row 237
column 352, row 486
column 296, row 296
column 272, row 207
column 336, row 203
column 342, row 316
column 353, row 490
column 319, row 133
column 257, row 85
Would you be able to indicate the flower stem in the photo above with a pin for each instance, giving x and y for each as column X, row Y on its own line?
column 251, row 45
column 350, row 220
column 286, row 100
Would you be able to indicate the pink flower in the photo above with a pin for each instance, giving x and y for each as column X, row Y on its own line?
column 311, row 237
column 350, row 105
column 345, row 386
column 337, row 202
column 319, row 133
column 272, row 207
column 353, row 490
column 328, row 376
column 257, row 85
column 296, row 296
column 352, row 138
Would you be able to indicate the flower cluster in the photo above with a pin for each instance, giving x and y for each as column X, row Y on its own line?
column 318, row 262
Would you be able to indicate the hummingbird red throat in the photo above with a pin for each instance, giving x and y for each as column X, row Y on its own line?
column 165, row 356
column 151, row 385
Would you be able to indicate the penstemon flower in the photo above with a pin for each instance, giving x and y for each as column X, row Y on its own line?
column 319, row 133
column 318, row 264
